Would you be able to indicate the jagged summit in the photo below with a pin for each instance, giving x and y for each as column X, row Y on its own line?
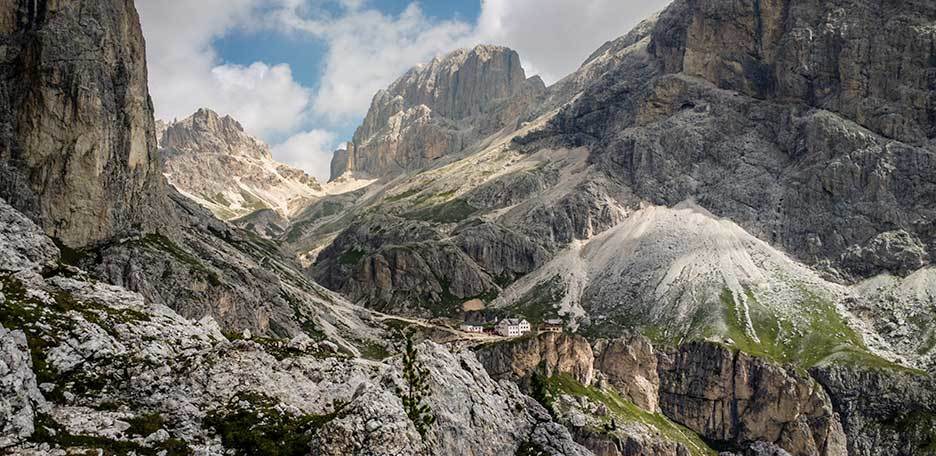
column 460, row 84
column 440, row 108
column 211, row 159
column 206, row 131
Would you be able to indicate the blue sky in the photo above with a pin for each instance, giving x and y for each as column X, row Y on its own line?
column 300, row 74
column 304, row 54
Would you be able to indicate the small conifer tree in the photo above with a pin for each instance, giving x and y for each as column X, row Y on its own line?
column 416, row 389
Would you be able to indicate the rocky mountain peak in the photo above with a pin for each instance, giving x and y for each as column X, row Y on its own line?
column 461, row 84
column 438, row 108
column 206, row 131
column 211, row 159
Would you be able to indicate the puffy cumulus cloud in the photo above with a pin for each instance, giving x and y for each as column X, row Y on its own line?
column 553, row 37
column 185, row 72
column 263, row 98
column 309, row 150
column 367, row 50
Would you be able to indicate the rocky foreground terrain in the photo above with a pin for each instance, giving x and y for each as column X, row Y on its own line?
column 728, row 207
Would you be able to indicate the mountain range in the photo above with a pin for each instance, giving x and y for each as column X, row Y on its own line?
column 729, row 208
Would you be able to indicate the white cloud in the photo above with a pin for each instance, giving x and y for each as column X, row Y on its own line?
column 367, row 50
column 553, row 37
column 310, row 150
column 185, row 73
column 266, row 99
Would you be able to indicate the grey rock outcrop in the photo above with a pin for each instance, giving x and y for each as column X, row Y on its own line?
column 902, row 310
column 475, row 411
column 896, row 251
column 265, row 222
column 213, row 268
column 20, row 398
column 845, row 56
column 883, row 410
column 503, row 253
column 439, row 109
column 22, row 244
column 736, row 399
column 628, row 444
column 77, row 143
column 391, row 263
column 545, row 354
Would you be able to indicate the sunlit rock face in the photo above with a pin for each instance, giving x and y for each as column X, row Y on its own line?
column 438, row 109
column 214, row 161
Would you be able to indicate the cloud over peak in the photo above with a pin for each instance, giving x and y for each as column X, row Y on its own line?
column 365, row 50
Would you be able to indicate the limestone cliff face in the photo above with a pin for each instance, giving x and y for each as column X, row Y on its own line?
column 339, row 163
column 737, row 399
column 741, row 403
column 546, row 354
column 809, row 108
column 629, row 365
column 869, row 61
column 883, row 411
column 439, row 109
column 77, row 144
column 214, row 161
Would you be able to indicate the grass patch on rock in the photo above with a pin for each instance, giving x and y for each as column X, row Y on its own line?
column 817, row 333
column 253, row 424
column 53, row 434
column 452, row 211
column 351, row 256
column 620, row 409
column 540, row 303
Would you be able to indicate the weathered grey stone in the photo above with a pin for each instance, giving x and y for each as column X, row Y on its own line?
column 391, row 263
column 502, row 252
column 20, row 398
column 884, row 411
column 867, row 61
column 895, row 251
column 23, row 245
column 734, row 398
column 628, row 444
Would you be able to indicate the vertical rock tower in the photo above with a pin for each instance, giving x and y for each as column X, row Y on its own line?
column 77, row 137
